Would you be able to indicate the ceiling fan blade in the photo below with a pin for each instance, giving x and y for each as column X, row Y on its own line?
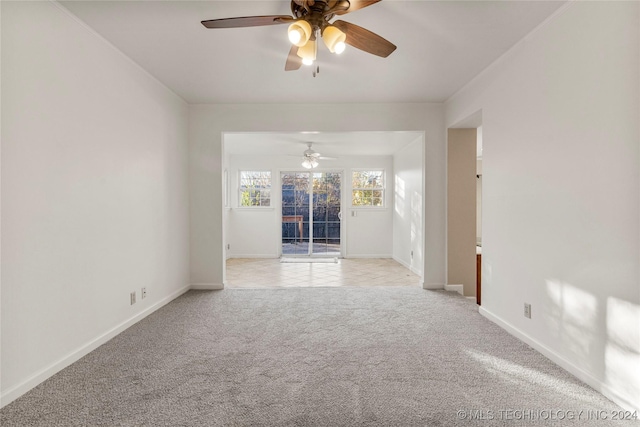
column 353, row 6
column 248, row 21
column 363, row 39
column 294, row 62
column 327, row 158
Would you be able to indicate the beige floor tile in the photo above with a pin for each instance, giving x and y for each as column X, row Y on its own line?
column 270, row 273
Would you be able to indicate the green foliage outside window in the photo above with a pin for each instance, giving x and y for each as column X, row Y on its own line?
column 367, row 188
column 255, row 188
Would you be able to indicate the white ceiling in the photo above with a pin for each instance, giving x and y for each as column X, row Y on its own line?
column 332, row 144
column 442, row 45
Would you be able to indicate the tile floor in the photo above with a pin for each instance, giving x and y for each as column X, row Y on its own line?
column 271, row 273
column 302, row 248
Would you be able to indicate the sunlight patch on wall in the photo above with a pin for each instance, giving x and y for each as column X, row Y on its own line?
column 622, row 350
column 399, row 196
column 416, row 215
column 416, row 226
column 572, row 319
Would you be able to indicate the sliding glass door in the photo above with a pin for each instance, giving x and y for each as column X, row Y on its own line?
column 311, row 213
column 326, row 214
column 295, row 213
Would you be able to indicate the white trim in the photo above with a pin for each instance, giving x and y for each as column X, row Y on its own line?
column 561, row 361
column 455, row 288
column 253, row 256
column 433, row 286
column 403, row 263
column 408, row 266
column 206, row 286
column 42, row 375
column 416, row 271
column 358, row 256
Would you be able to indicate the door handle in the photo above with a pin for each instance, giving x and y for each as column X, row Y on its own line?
column 340, row 215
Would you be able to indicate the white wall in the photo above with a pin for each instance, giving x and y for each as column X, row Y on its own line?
column 408, row 206
column 208, row 122
column 255, row 232
column 94, row 192
column 251, row 232
column 561, row 192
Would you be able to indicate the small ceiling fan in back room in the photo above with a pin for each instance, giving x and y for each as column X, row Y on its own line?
column 310, row 157
column 311, row 20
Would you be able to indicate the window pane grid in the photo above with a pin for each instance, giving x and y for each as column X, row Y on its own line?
column 367, row 188
column 255, row 188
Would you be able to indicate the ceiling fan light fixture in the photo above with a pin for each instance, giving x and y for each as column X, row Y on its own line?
column 334, row 39
column 308, row 52
column 309, row 20
column 309, row 163
column 299, row 33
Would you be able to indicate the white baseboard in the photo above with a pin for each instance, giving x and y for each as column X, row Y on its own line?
column 562, row 362
column 433, row 286
column 408, row 266
column 253, row 256
column 369, row 256
column 455, row 288
column 416, row 271
column 207, row 286
column 402, row 262
column 40, row 376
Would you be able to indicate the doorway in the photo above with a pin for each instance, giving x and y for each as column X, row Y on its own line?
column 311, row 214
column 464, row 207
column 321, row 222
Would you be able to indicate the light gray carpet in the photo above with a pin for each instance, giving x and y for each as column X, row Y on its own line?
column 310, row 357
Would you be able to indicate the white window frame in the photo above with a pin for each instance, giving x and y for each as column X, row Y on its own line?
column 382, row 189
column 241, row 189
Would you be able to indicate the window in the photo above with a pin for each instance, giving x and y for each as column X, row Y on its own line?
column 255, row 188
column 367, row 188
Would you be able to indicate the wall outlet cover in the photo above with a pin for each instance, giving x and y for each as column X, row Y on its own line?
column 527, row 310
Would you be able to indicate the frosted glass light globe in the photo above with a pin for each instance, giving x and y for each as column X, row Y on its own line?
column 295, row 36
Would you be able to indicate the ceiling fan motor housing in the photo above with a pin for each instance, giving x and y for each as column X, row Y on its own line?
column 316, row 14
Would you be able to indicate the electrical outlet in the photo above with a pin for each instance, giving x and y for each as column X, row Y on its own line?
column 527, row 310
column 143, row 293
column 133, row 298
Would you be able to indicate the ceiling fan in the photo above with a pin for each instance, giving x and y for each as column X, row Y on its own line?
column 310, row 20
column 310, row 157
